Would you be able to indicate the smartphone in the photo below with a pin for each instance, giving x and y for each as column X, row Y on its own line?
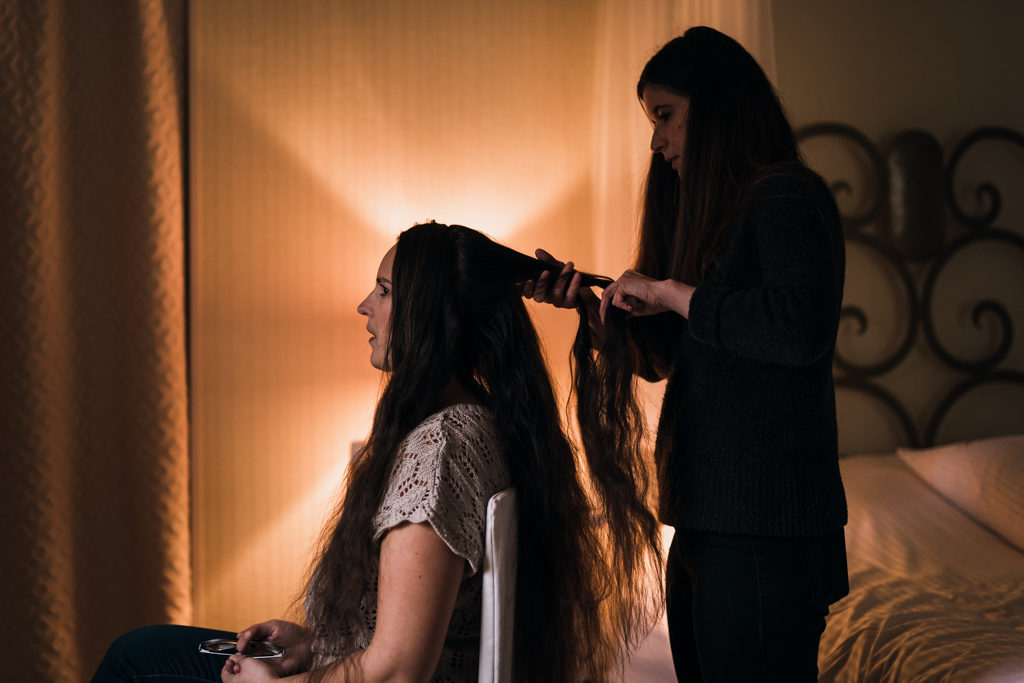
column 258, row 649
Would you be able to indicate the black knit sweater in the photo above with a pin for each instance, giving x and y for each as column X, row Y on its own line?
column 747, row 437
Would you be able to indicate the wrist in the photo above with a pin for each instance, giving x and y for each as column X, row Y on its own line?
column 675, row 296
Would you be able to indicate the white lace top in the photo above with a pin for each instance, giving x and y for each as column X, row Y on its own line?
column 450, row 466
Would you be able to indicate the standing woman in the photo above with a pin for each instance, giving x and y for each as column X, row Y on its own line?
column 735, row 300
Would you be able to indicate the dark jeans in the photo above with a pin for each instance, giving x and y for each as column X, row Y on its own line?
column 161, row 654
column 751, row 608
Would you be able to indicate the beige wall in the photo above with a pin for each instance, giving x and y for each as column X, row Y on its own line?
column 943, row 65
column 946, row 67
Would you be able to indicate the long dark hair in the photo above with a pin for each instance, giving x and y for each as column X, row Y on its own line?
column 457, row 312
column 736, row 132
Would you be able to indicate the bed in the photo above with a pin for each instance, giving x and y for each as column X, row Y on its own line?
column 935, row 538
column 936, row 554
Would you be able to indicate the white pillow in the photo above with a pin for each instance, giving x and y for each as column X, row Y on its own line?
column 985, row 478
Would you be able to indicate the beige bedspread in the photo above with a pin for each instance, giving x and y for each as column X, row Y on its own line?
column 935, row 596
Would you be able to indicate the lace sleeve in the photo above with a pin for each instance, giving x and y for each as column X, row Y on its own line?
column 448, row 469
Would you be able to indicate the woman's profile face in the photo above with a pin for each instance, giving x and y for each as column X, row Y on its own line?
column 668, row 112
column 377, row 309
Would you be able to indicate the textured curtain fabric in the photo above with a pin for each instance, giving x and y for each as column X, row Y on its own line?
column 93, row 401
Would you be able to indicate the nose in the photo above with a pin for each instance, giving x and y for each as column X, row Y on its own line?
column 363, row 308
column 657, row 141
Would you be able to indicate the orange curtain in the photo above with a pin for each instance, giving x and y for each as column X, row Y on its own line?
column 93, row 397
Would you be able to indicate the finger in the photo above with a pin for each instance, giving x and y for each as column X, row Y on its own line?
column 547, row 258
column 574, row 288
column 619, row 300
column 606, row 299
column 254, row 632
column 624, row 304
column 540, row 294
column 528, row 287
column 230, row 669
column 558, row 289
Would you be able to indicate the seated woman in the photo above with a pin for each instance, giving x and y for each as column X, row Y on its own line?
column 467, row 410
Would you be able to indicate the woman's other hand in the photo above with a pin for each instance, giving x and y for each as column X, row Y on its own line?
column 638, row 294
column 242, row 669
column 290, row 636
column 560, row 292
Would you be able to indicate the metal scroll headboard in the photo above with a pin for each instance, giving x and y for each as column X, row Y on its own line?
column 916, row 225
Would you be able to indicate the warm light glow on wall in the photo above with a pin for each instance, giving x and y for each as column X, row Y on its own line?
column 448, row 112
column 319, row 131
column 477, row 163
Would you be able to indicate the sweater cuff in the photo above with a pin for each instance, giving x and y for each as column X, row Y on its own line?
column 704, row 307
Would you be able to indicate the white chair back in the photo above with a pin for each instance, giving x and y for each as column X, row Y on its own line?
column 501, row 542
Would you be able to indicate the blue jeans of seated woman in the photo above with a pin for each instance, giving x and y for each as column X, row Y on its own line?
column 162, row 654
column 749, row 608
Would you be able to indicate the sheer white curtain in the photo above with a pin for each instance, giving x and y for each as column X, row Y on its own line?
column 628, row 34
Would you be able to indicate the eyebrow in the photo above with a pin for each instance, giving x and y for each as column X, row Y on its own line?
column 383, row 281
